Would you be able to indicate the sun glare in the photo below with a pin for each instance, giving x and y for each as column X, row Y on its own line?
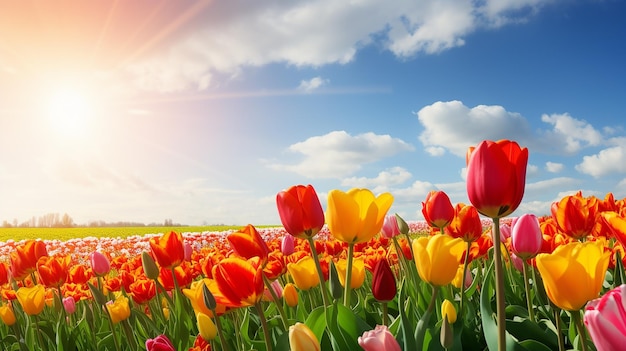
column 69, row 112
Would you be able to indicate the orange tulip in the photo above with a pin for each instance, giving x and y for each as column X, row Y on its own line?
column 300, row 211
column 466, row 223
column 7, row 315
column 24, row 258
column 437, row 209
column 4, row 273
column 53, row 270
column 576, row 215
column 168, row 250
column 248, row 243
column 142, row 290
column 496, row 177
column 239, row 282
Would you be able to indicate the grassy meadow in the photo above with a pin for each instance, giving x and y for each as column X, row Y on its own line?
column 18, row 234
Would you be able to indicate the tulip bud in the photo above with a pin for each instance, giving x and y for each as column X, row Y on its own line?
column 209, row 299
column 336, row 290
column 379, row 339
column 188, row 251
column 69, row 304
column 99, row 264
column 390, row 226
column 448, row 310
column 7, row 315
column 149, row 266
column 446, row 336
column 287, row 245
column 383, row 282
column 290, row 294
column 403, row 227
column 301, row 338
column 526, row 236
column 206, row 327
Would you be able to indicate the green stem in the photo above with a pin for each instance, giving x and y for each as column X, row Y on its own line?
column 557, row 318
column 385, row 314
column 277, row 302
column 266, row 331
column 319, row 272
column 529, row 304
column 44, row 346
column 580, row 328
column 220, row 332
column 422, row 325
column 347, row 284
column 115, row 341
column 129, row 334
column 500, row 312
column 465, row 264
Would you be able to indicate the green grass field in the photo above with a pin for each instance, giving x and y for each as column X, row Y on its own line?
column 18, row 234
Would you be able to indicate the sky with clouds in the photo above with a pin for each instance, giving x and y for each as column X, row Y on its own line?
column 201, row 111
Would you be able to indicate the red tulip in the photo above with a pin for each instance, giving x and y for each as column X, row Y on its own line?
column 466, row 223
column 160, row 343
column 53, row 270
column 239, row 282
column 496, row 176
column 383, row 282
column 168, row 250
column 437, row 209
column 576, row 215
column 300, row 211
column 248, row 243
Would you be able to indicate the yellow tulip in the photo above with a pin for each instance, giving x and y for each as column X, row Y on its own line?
column 358, row 272
column 448, row 310
column 7, row 315
column 32, row 299
column 301, row 338
column 304, row 273
column 206, row 327
column 119, row 309
column 573, row 273
column 290, row 294
column 437, row 258
column 356, row 216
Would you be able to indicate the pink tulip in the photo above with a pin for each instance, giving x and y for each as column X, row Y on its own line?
column 518, row 263
column 505, row 231
column 287, row 245
column 390, row 226
column 188, row 251
column 160, row 343
column 99, row 264
column 605, row 319
column 69, row 304
column 526, row 237
column 379, row 339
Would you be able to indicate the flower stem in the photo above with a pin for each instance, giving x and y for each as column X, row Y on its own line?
column 319, row 272
column 220, row 332
column 465, row 264
column 529, row 304
column 266, row 331
column 500, row 312
column 348, row 283
column 278, row 303
column 385, row 313
column 557, row 318
column 422, row 325
column 581, row 329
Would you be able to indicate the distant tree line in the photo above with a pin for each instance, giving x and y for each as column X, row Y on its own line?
column 56, row 220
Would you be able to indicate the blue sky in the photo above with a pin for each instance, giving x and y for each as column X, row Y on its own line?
column 200, row 112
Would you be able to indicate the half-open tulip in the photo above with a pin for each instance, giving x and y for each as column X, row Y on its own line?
column 301, row 338
column 378, row 339
column 605, row 319
column 448, row 311
column 239, row 281
column 304, row 273
column 575, row 215
column 390, row 226
column 168, row 249
column 437, row 209
column 383, row 282
column 24, row 258
column 53, row 270
column 573, row 274
column 437, row 258
column 119, row 309
column 160, row 343
column 248, row 243
column 300, row 211
column 356, row 216
column 32, row 299
column 496, row 177
column 7, row 315
column 526, row 236
column 466, row 223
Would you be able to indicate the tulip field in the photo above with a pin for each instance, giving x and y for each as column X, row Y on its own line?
column 353, row 277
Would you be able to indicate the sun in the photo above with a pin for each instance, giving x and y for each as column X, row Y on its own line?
column 69, row 112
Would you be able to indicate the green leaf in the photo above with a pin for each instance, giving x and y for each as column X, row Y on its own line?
column 406, row 327
column 534, row 345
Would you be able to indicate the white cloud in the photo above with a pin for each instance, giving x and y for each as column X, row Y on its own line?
column 384, row 179
column 314, row 83
column 339, row 154
column 554, row 167
column 436, row 150
column 609, row 160
column 225, row 37
column 441, row 122
column 531, row 170
column 573, row 133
